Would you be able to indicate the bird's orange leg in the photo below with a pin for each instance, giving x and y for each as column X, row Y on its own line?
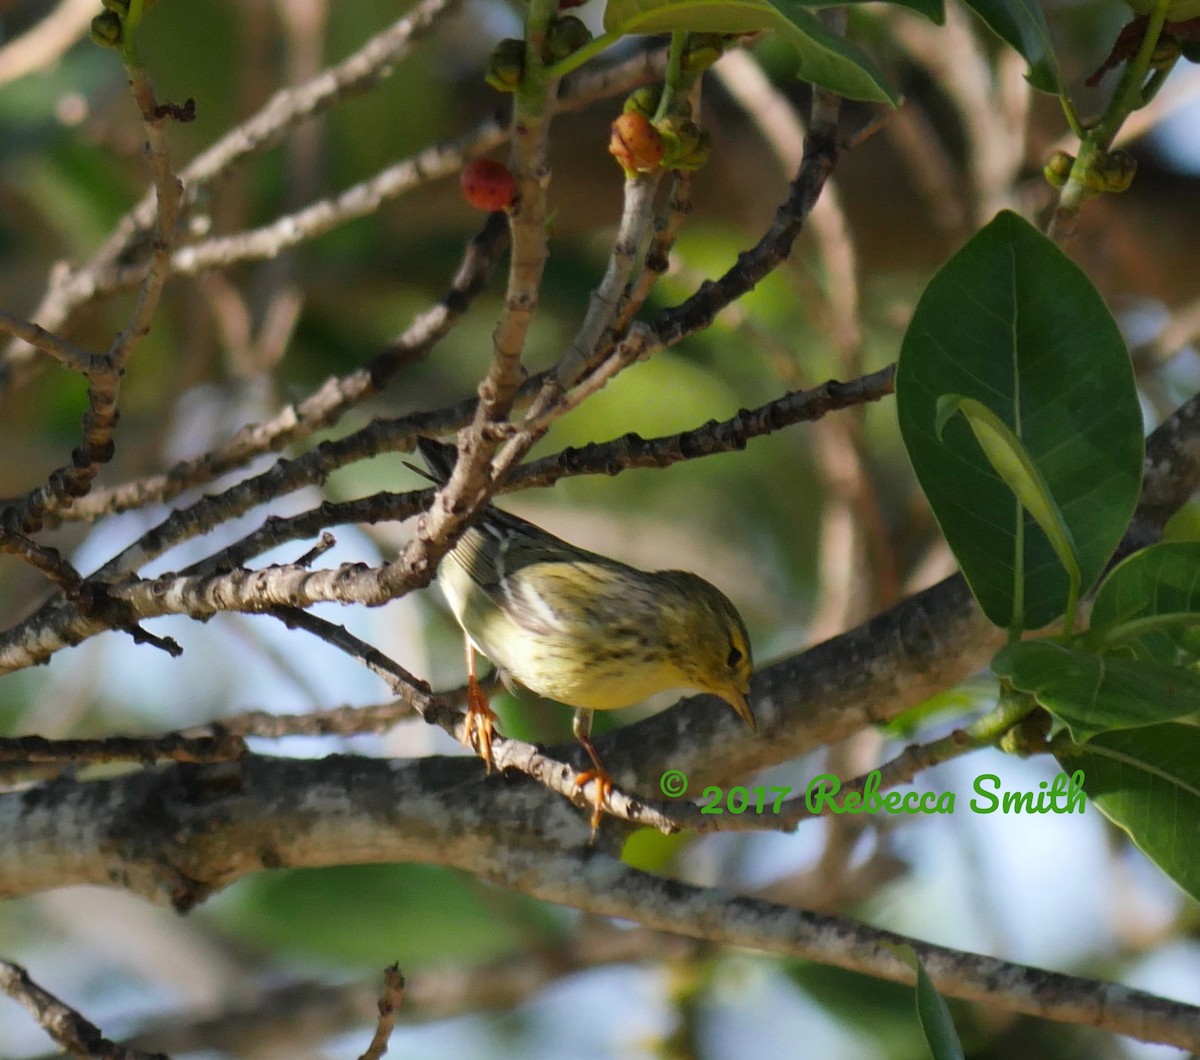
column 481, row 719
column 582, row 728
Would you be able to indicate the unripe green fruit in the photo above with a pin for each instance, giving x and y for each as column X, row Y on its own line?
column 565, row 37
column 1114, row 172
column 106, row 29
column 506, row 66
column 1058, row 168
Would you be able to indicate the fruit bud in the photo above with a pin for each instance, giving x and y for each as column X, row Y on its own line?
column 636, row 144
column 106, row 29
column 1058, row 168
column 1115, row 170
column 506, row 66
column 644, row 100
column 686, row 145
column 565, row 37
column 487, row 184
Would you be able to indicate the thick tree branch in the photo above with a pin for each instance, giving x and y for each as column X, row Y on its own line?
column 179, row 833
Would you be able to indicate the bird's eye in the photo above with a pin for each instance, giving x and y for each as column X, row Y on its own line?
column 735, row 657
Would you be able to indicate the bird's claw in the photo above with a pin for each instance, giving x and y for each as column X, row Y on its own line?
column 604, row 787
column 481, row 724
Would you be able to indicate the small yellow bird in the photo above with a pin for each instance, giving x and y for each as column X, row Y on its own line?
column 583, row 629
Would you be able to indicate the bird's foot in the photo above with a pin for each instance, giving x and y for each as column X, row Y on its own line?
column 481, row 724
column 604, row 786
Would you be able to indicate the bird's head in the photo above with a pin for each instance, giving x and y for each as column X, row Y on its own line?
column 715, row 647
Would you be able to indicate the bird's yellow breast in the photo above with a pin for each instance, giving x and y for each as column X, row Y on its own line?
column 575, row 635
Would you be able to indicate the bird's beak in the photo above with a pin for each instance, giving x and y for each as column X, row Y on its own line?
column 740, row 702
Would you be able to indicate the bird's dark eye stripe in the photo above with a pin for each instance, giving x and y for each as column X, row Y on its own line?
column 735, row 656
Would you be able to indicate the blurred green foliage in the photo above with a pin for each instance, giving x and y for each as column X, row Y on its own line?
column 70, row 165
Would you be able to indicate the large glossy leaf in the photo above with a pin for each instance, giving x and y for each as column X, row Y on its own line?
column 1012, row 323
column 1092, row 693
column 1022, row 26
column 1147, row 782
column 829, row 60
column 1150, row 605
column 825, row 58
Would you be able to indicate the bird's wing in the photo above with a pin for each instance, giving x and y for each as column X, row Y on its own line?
column 543, row 583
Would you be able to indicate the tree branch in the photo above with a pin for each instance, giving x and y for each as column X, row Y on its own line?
column 71, row 1031
column 177, row 834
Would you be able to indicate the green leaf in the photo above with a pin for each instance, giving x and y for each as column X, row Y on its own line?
column 1012, row 323
column 1147, row 782
column 825, row 59
column 931, row 1010
column 1012, row 463
column 879, row 1010
column 829, row 60
column 935, row 1019
column 699, row 16
column 1150, row 603
column 1092, row 694
column 1022, row 26
column 934, row 1016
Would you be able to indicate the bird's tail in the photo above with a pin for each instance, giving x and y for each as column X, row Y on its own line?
column 440, row 458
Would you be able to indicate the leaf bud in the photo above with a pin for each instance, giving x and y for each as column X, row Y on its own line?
column 644, row 100
column 106, row 29
column 566, row 36
column 506, row 66
column 685, row 144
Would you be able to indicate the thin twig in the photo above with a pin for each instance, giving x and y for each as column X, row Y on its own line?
column 51, row 629
column 289, row 230
column 389, row 1007
column 212, row 587
column 286, row 109
column 325, row 406
column 215, row 745
column 66, row 353
column 72, row 1033
column 638, row 203
column 104, row 378
column 697, row 312
column 45, row 559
